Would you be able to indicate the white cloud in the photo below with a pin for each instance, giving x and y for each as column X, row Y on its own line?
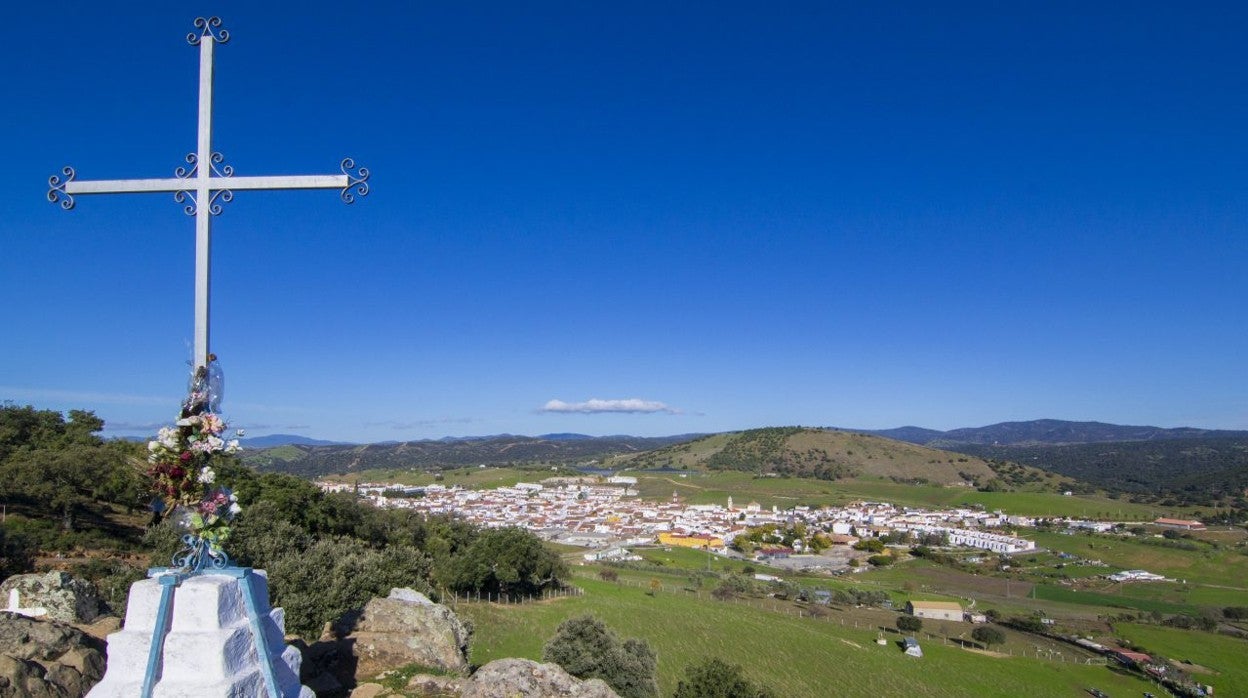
column 596, row 406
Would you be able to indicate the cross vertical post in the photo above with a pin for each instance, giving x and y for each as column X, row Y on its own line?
column 206, row 185
column 203, row 218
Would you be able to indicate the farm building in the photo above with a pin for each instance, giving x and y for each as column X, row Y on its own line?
column 935, row 610
column 1180, row 523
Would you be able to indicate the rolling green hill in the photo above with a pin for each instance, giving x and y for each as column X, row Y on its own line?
column 826, row 455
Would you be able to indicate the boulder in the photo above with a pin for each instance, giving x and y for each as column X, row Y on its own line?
column 46, row 658
column 512, row 678
column 404, row 629
column 54, row 596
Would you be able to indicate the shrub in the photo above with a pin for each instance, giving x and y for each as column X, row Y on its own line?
column 608, row 575
column 504, row 561
column 881, row 560
column 334, row 576
column 586, row 648
column 17, row 555
column 909, row 624
column 988, row 635
column 715, row 678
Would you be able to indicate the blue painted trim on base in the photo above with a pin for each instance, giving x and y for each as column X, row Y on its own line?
column 172, row 577
column 155, row 652
column 257, row 630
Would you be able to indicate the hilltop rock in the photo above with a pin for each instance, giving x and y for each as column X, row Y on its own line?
column 60, row 595
column 509, row 678
column 404, row 629
column 46, row 658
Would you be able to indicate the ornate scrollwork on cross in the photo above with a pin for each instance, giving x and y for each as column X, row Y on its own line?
column 191, row 171
column 225, row 170
column 199, row 554
column 187, row 172
column 208, row 27
column 357, row 181
column 56, row 188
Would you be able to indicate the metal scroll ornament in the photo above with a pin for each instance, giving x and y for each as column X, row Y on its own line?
column 357, row 181
column 191, row 171
column 198, row 554
column 56, row 188
column 208, row 27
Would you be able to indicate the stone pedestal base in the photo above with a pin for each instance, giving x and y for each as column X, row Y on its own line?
column 211, row 648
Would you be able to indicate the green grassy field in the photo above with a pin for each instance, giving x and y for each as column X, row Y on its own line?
column 795, row 656
column 1205, row 565
column 1223, row 656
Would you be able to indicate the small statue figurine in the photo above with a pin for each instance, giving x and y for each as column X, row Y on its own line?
column 205, row 390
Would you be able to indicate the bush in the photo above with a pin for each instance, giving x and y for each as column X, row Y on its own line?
column 881, row 560
column 909, row 624
column 1235, row 612
column 17, row 555
column 874, row 545
column 586, row 648
column 504, row 561
column 988, row 635
column 334, row 576
column 715, row 678
column 608, row 575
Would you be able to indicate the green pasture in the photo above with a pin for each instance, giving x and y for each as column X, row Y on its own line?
column 1094, row 598
column 794, row 656
column 1205, row 565
column 1222, row 656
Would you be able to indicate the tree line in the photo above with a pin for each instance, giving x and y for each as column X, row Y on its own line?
column 326, row 554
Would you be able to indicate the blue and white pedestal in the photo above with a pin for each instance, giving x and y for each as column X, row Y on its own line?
column 210, row 634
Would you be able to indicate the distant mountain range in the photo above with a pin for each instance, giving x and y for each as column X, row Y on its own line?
column 1188, row 465
column 1052, row 432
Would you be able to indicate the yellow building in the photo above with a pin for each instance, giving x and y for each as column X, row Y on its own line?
column 700, row 540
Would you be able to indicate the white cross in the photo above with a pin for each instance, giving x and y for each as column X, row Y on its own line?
column 197, row 182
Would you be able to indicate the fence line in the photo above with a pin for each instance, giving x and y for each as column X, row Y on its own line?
column 455, row 598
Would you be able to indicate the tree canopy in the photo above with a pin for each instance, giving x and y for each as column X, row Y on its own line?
column 586, row 648
column 715, row 678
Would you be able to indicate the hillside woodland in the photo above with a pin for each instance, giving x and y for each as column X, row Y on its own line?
column 67, row 492
column 315, row 461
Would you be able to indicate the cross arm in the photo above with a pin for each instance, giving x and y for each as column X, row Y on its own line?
column 63, row 187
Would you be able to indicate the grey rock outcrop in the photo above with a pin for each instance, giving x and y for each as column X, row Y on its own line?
column 406, row 628
column 46, row 658
column 510, row 678
column 63, row 596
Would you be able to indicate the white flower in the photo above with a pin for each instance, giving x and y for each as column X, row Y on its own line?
column 216, row 443
column 153, row 445
column 206, row 475
column 234, row 509
column 240, row 433
column 187, row 421
column 168, row 437
column 233, row 497
column 232, row 446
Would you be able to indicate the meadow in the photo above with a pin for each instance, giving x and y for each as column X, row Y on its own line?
column 1220, row 657
column 795, row 656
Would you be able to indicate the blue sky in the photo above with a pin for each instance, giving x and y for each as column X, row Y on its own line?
column 651, row 218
